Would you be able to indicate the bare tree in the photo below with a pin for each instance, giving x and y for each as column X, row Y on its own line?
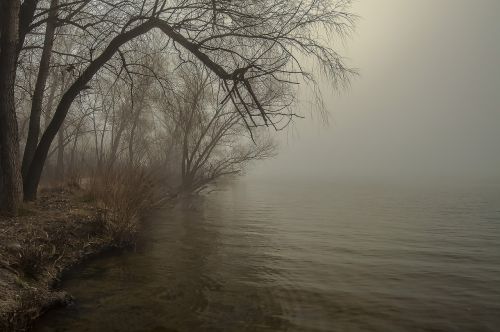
column 210, row 139
column 250, row 47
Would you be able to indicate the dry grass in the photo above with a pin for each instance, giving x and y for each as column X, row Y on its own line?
column 63, row 227
column 52, row 234
column 122, row 195
column 34, row 252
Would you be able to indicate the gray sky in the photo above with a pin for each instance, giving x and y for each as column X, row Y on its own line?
column 426, row 105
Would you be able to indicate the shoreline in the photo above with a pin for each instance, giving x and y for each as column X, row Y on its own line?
column 52, row 235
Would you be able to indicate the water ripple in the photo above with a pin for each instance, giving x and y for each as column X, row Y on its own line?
column 258, row 257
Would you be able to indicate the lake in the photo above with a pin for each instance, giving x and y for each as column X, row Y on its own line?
column 301, row 256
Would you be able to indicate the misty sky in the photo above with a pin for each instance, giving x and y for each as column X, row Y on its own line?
column 426, row 104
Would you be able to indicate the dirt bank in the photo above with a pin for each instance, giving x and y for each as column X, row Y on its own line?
column 51, row 235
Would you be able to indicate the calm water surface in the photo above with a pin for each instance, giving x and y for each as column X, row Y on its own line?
column 301, row 257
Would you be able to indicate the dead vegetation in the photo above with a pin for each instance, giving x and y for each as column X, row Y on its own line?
column 65, row 226
column 122, row 196
column 35, row 248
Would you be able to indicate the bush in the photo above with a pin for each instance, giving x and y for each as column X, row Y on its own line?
column 123, row 195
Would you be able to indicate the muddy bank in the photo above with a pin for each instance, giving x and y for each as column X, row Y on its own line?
column 61, row 229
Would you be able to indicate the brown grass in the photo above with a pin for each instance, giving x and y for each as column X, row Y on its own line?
column 122, row 196
column 55, row 232
column 65, row 226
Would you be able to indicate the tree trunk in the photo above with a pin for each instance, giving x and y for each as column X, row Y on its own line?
column 116, row 143
column 72, row 166
column 9, row 137
column 2, row 188
column 60, row 155
column 50, row 103
column 26, row 16
column 36, row 105
column 132, row 137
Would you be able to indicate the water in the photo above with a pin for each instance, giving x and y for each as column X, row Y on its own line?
column 301, row 257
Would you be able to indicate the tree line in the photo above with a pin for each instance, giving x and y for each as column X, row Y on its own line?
column 188, row 87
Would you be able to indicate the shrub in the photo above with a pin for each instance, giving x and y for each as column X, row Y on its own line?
column 123, row 195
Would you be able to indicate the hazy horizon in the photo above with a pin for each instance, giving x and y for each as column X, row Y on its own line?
column 424, row 107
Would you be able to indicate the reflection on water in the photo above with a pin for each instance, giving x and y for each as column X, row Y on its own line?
column 282, row 257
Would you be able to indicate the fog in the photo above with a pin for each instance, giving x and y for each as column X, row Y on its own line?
column 425, row 107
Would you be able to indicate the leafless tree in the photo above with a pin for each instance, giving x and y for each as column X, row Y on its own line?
column 251, row 47
column 209, row 138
